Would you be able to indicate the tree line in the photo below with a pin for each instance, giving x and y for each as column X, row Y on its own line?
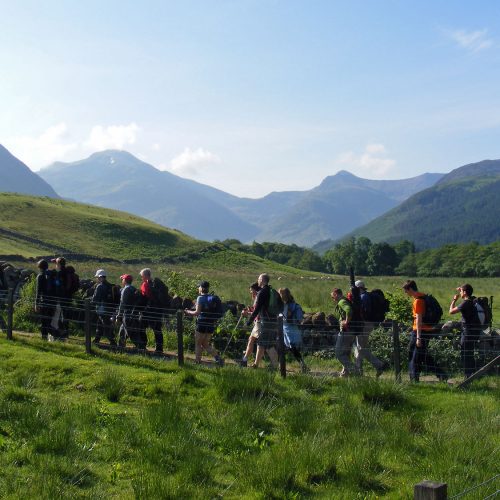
column 383, row 259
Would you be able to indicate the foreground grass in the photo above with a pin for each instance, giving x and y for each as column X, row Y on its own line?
column 113, row 426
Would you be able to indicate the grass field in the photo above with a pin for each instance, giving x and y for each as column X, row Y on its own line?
column 110, row 426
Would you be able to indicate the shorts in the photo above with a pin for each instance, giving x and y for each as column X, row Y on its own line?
column 257, row 328
column 201, row 328
column 267, row 335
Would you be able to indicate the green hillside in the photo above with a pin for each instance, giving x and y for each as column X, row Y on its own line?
column 461, row 210
column 32, row 226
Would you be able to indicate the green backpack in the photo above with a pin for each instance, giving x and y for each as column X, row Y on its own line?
column 274, row 307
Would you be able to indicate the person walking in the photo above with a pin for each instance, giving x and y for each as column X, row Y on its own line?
column 254, row 335
column 206, row 317
column 44, row 299
column 347, row 334
column 152, row 314
column 267, row 306
column 418, row 357
column 125, row 314
column 102, row 301
column 471, row 326
column 292, row 316
column 368, row 315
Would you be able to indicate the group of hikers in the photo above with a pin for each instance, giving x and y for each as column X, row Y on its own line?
column 358, row 312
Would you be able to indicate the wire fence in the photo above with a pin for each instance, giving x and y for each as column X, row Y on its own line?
column 317, row 346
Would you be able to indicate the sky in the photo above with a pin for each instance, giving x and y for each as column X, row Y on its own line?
column 254, row 96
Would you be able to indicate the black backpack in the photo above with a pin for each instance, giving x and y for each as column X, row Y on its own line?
column 379, row 306
column 113, row 295
column 433, row 311
column 160, row 292
column 483, row 309
column 213, row 310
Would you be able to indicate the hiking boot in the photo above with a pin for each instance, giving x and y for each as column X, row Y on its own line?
column 243, row 363
column 443, row 378
column 219, row 361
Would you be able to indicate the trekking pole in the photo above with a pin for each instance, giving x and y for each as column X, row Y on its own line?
column 10, row 312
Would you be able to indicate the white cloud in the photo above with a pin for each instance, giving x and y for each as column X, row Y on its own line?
column 189, row 161
column 112, row 137
column 372, row 162
column 474, row 41
column 50, row 146
column 155, row 147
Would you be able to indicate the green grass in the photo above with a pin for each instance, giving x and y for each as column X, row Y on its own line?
column 108, row 425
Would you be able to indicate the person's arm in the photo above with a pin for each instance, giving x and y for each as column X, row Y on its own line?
column 38, row 293
column 348, row 314
column 453, row 308
column 419, row 316
column 259, row 303
column 197, row 311
column 96, row 298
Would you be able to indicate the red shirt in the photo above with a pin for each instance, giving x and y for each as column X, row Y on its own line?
column 146, row 290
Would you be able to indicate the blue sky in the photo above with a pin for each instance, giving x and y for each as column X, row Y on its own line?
column 254, row 96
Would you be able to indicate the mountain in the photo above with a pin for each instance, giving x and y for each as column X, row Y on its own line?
column 116, row 179
column 16, row 177
column 462, row 206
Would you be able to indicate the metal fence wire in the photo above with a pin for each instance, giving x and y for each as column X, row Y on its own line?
column 318, row 344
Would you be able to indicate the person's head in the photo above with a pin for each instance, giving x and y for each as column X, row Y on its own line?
column 100, row 275
column 285, row 295
column 60, row 263
column 203, row 286
column 254, row 289
column 410, row 287
column 145, row 274
column 361, row 285
column 42, row 264
column 336, row 294
column 465, row 290
column 126, row 279
column 263, row 280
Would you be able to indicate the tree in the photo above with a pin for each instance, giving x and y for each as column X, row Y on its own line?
column 382, row 259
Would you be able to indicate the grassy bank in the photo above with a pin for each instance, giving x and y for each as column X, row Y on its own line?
column 113, row 426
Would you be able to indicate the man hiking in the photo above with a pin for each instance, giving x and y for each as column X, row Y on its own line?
column 125, row 314
column 267, row 306
column 104, row 308
column 418, row 357
column 368, row 315
column 152, row 314
column 44, row 299
column 471, row 326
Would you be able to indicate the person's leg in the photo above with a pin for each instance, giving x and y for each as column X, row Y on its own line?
column 98, row 329
column 249, row 349
column 364, row 352
column 467, row 346
column 158, row 336
column 259, row 355
column 413, row 366
column 273, row 356
column 198, row 346
column 429, row 363
column 343, row 351
column 109, row 329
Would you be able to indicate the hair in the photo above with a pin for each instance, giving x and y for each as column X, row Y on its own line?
column 265, row 278
column 467, row 289
column 204, row 289
column 61, row 261
column 410, row 285
column 254, row 287
column 337, row 291
column 146, row 272
column 42, row 264
column 128, row 280
column 286, row 295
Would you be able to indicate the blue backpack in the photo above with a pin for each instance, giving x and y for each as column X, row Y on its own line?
column 212, row 310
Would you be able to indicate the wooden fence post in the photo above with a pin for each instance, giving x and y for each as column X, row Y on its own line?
column 180, row 338
column 396, row 350
column 430, row 490
column 10, row 312
column 281, row 347
column 88, row 334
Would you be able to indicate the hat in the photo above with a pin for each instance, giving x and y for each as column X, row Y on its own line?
column 360, row 284
column 100, row 273
column 126, row 277
column 204, row 284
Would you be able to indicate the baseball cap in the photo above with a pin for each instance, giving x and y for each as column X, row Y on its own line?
column 360, row 284
column 204, row 284
column 100, row 273
column 126, row 277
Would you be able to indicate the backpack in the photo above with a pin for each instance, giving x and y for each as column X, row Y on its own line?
column 72, row 281
column 50, row 280
column 297, row 313
column 212, row 310
column 433, row 311
column 483, row 309
column 274, row 308
column 113, row 294
column 160, row 292
column 379, row 306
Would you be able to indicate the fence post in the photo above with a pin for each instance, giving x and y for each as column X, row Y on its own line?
column 180, row 338
column 10, row 312
column 88, row 339
column 281, row 347
column 396, row 350
column 430, row 490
